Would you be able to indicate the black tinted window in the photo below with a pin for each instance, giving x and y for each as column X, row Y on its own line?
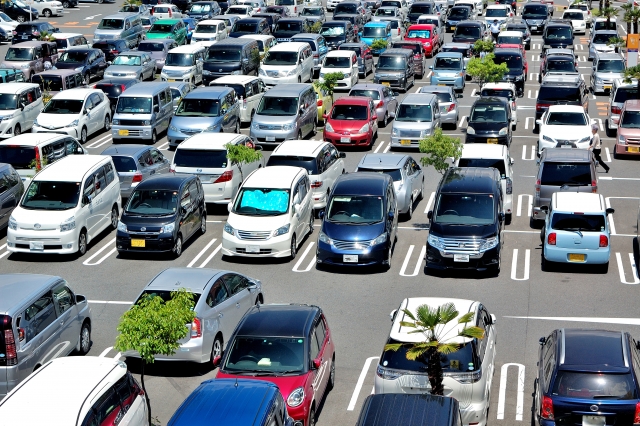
column 165, row 295
column 578, row 222
column 200, row 158
column 308, row 163
column 594, row 385
column 572, row 174
column 483, row 162
column 625, row 93
column 463, row 360
column 551, row 93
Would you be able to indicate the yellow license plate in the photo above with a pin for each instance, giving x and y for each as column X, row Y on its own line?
column 137, row 243
column 405, row 142
column 573, row 257
column 633, row 149
column 440, row 84
column 492, row 140
column 171, row 80
column 453, row 28
column 386, row 83
column 607, row 87
column 123, row 132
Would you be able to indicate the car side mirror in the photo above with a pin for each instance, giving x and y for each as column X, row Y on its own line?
column 544, row 208
column 325, row 116
column 429, row 214
column 229, row 207
column 392, row 315
column 493, row 319
column 321, row 214
column 542, row 340
column 610, row 210
column 317, row 363
column 538, row 121
column 80, row 150
column 501, row 216
column 296, row 209
column 80, row 298
column 343, row 155
column 430, row 67
column 396, row 94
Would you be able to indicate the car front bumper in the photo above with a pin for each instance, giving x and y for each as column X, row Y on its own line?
column 456, row 82
column 437, row 259
column 142, row 132
column 330, row 255
column 273, row 136
column 354, row 139
column 490, row 139
column 279, row 246
column 154, row 243
column 54, row 241
column 71, row 131
column 272, row 81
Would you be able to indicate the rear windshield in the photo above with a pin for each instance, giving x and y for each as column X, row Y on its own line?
column 239, row 88
column 346, row 8
column 51, row 195
column 337, row 62
column 561, row 65
column 468, row 32
column 285, row 2
column 280, row 58
column 395, row 174
column 571, row 174
column 496, row 13
column 459, row 14
column 550, row 93
column 419, row 34
column 501, row 93
column 465, row 209
column 533, row 11
column 308, row 163
column 353, row 49
column 446, row 63
column 462, row 360
column 594, row 385
column 244, row 27
column 578, row 222
column 496, row 163
column 165, row 295
column 200, row 158
column 625, row 93
column 124, row 164
column 374, row 32
column 509, row 39
column 577, row 16
column 514, row 62
column 411, row 46
column 111, row 24
column 464, row 51
column 373, row 94
column 602, row 25
column 111, row 90
column 20, row 157
column 424, row 9
column 289, row 27
column 52, row 83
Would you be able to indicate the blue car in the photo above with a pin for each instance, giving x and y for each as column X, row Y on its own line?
column 587, row 377
column 360, row 222
column 449, row 70
column 374, row 31
column 190, row 24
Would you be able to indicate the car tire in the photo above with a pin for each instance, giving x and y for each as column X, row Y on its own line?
column 332, row 373
column 293, row 247
column 82, row 243
column 314, row 131
column 203, row 224
column 216, row 348
column 46, row 13
column 385, row 121
column 389, row 256
column 107, row 123
column 312, row 417
column 311, row 222
column 17, row 130
column 83, row 135
column 20, row 19
column 154, row 137
column 66, row 4
column 114, row 218
column 299, row 135
column 84, row 340
column 237, row 130
column 86, row 79
column 409, row 213
column 609, row 132
column 421, row 194
column 177, row 248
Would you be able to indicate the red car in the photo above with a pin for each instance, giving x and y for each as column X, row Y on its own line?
column 425, row 34
column 289, row 345
column 352, row 121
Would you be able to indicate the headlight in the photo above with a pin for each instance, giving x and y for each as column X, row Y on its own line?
column 547, row 138
column 323, row 237
column 229, row 229
column 122, row 227
column 146, row 123
column 68, row 224
column 379, row 240
column 583, row 140
column 212, row 128
column 79, row 68
column 282, row 230
column 261, row 72
column 346, row 75
column 35, row 122
column 321, row 75
column 364, row 128
column 598, row 80
column 394, row 132
column 503, row 131
column 174, row 128
column 296, row 397
column 167, row 228
column 12, row 223
column 115, row 121
column 470, row 131
column 73, row 123
column 621, row 140
column 489, row 244
column 25, row 66
column 387, row 373
column 205, row 72
column 427, row 44
column 255, row 126
column 288, row 126
column 238, row 72
column 435, row 242
column 328, row 127
column 520, row 77
column 425, row 133
column 292, row 71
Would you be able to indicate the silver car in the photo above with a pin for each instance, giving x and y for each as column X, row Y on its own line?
column 221, row 300
column 620, row 92
column 598, row 43
column 384, row 99
column 158, row 49
column 408, row 179
column 397, row 28
column 417, row 117
column 135, row 163
column 606, row 68
column 132, row 64
column 448, row 101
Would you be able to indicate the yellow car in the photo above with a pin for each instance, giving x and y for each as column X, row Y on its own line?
column 324, row 102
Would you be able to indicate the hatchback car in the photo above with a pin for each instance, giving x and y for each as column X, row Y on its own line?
column 425, row 34
column 503, row 90
column 352, row 121
column 111, row 48
column 628, row 141
column 557, row 63
column 32, row 31
column 384, row 100
column 419, row 55
column 517, row 65
column 417, row 117
column 168, row 28
column 132, row 64
column 448, row 102
column 490, row 121
column 599, row 42
column 167, row 11
column 114, row 88
column 344, row 62
column 221, row 299
column 449, row 69
column 523, row 29
column 158, row 49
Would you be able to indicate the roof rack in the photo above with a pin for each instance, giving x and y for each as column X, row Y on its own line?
column 562, row 77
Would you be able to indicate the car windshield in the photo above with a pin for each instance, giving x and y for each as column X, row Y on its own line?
column 561, row 65
column 578, row 222
column 310, row 164
column 152, row 202
column 625, row 93
column 509, row 40
column 630, row 120
column 285, row 3
column 423, row 9
column 496, row 13
column 223, row 55
column 489, row 114
column 280, row 58
column 391, row 63
column 244, row 27
column 611, row 66
column 198, row 108
column 206, row 28
column 535, row 12
column 161, row 28
column 355, row 209
column 567, row 119
column 200, row 8
column 48, row 195
column 312, row 11
column 444, row 63
column 465, row 209
column 353, row 49
column 63, row 106
column 581, row 385
column 148, row 46
column 337, row 62
column 349, row 112
column 501, row 93
column 346, row 8
column 514, row 62
column 20, row 157
column 332, row 31
column 458, row 14
column 165, row 295
column 417, row 113
column 134, row 105
column 395, row 174
column 443, row 97
column 8, row 101
column 262, row 201
column 419, row 34
column 131, row 60
column 373, row 94
column 602, row 38
column 464, row 359
column 19, row 54
column 570, row 174
column 270, row 105
column 52, row 83
column 373, row 32
column 576, row 16
column 289, row 27
column 484, row 163
column 179, row 60
column 468, row 32
column 73, row 56
column 559, row 33
column 272, row 355
column 567, row 94
column 111, row 24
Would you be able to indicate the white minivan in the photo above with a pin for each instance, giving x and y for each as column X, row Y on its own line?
column 290, row 62
column 206, row 157
column 209, row 30
column 66, row 205
column 271, row 215
column 20, row 104
column 249, row 90
column 344, row 61
column 184, row 63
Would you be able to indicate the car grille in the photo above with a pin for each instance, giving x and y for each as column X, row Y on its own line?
column 135, row 132
column 633, row 140
column 26, row 239
column 270, row 127
column 563, row 142
column 254, row 235
column 351, row 245
column 462, row 244
column 190, row 131
column 132, row 123
column 409, row 133
column 262, row 251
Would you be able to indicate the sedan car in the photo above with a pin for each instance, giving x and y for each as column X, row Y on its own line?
column 91, row 62
column 289, row 345
column 313, row 13
column 383, row 97
column 598, row 42
column 157, row 49
column 132, row 64
column 352, row 121
column 221, row 299
column 578, row 20
column 564, row 126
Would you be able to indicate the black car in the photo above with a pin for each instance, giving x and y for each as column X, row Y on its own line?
column 468, row 32
column 514, row 60
column 114, row 88
column 490, row 121
column 19, row 11
column 201, row 10
column 557, row 64
column 224, row 4
column 409, row 410
column 536, row 15
column 11, row 189
column 592, row 374
column 162, row 213
column 524, row 29
column 561, row 89
column 421, row 8
column 183, row 5
column 336, row 33
column 457, row 14
column 111, row 48
column 467, row 220
column 92, row 62
column 288, row 27
column 557, row 35
column 247, row 26
column 272, row 18
column 32, row 31
column 69, row 3
column 283, row 11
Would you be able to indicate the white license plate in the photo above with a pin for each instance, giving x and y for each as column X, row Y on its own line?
column 534, row 28
column 460, row 257
column 350, row 258
column 345, row 140
column 36, row 245
column 205, row 179
column 253, row 249
column 593, row 421
column 565, row 146
column 270, row 138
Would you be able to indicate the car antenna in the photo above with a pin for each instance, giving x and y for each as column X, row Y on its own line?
column 236, row 384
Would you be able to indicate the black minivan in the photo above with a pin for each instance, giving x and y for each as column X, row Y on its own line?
column 162, row 213
column 336, row 33
column 392, row 409
column 558, row 35
column 229, row 56
column 467, row 220
column 490, row 121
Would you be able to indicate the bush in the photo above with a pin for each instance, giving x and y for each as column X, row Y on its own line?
column 440, row 148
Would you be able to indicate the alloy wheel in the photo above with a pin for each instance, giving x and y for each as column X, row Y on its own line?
column 83, row 135
column 85, row 339
column 114, row 218
column 82, row 243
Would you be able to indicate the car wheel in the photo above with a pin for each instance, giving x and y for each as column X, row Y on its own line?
column 513, row 126
column 83, row 135
column 82, row 243
column 299, row 79
column 84, row 341
column 332, row 374
column 314, row 131
column 389, row 256
column 609, row 132
column 312, row 417
column 154, row 137
column 17, row 130
column 410, row 211
column 87, row 79
column 46, row 13
column 20, row 19
column 216, row 349
column 238, row 125
column 177, row 248
column 421, row 194
column 114, row 217
column 311, row 221
column 385, row 121
column 293, row 247
column 203, row 224
column 299, row 135
column 66, row 5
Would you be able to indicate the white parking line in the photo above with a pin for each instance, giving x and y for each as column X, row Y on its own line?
column 579, row 47
column 612, row 226
column 503, row 389
column 202, row 252
column 514, row 265
column 164, row 146
column 211, row 256
column 110, row 302
column 429, row 203
column 6, row 253
column 535, row 94
column 461, row 121
column 526, row 125
column 360, row 382
column 100, row 142
column 103, row 258
column 606, row 150
column 378, row 148
column 105, row 352
column 387, row 148
column 634, row 270
column 533, row 76
column 529, row 204
column 304, row 255
column 473, row 93
column 407, row 258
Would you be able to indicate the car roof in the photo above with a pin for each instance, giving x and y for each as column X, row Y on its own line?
column 595, row 350
column 341, row 53
column 168, row 181
column 194, row 280
column 449, row 55
column 275, row 320
column 490, row 100
column 608, row 56
column 31, row 139
column 376, row 24
column 289, row 46
column 500, row 85
column 566, row 108
column 367, row 86
column 568, row 155
column 187, row 48
column 419, row 99
column 584, row 202
column 127, row 150
column 76, row 93
column 251, row 19
column 510, row 33
column 508, row 51
column 477, row 180
column 62, row 36
column 293, row 147
column 632, row 105
column 209, row 22
column 235, row 79
column 206, row 141
column 288, row 89
column 16, row 287
column 145, row 88
column 261, row 37
column 159, row 40
column 457, row 45
column 15, row 88
column 273, row 177
column 361, row 183
column 167, row 21
column 407, row 410
column 352, row 100
column 383, row 161
column 71, row 168
column 209, row 92
column 475, row 150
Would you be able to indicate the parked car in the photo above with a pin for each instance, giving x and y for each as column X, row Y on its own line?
column 210, row 30
column 234, row 56
column 20, row 104
column 90, row 62
column 111, row 48
column 124, row 26
column 419, row 55
column 352, row 121
column 184, row 64
column 318, row 47
column 395, row 69
column 364, row 54
column 313, row 13
column 8, row 75
column 564, row 126
column 449, row 70
column 448, row 102
column 561, row 90
column 248, row 89
column 628, row 142
column 167, row 11
column 471, row 31
column 147, row 21
column 376, row 30
column 383, row 97
column 607, row 67
column 338, row 32
column 113, row 89
column 324, row 101
column 132, row 64
column 503, row 90
column 287, row 63
column 341, row 61
column 410, row 409
column 599, row 42
column 417, row 116
column 30, row 57
column 202, row 10
column 620, row 92
column 490, row 121
column 179, row 89
column 56, row 80
column 578, row 20
column 11, row 190
column 168, row 28
column 67, row 40
column 523, row 29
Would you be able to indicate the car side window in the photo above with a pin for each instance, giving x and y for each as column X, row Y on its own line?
column 63, row 298
column 193, row 190
column 88, row 190
column 106, row 405
column 101, row 182
column 314, row 346
column 185, row 198
column 235, row 283
column 109, row 173
column 156, row 156
column 38, row 316
column 145, row 159
column 163, row 98
column 217, row 294
column 548, row 360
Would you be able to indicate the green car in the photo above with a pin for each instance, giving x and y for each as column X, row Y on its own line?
column 168, row 28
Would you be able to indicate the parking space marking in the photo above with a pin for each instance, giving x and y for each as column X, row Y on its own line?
column 430, row 202
column 304, row 255
column 634, row 270
column 100, row 142
column 610, row 216
column 526, row 123
column 378, row 148
column 387, row 148
column 164, row 146
column 105, row 352
column 599, row 320
column 514, row 265
column 407, row 258
column 110, row 302
column 529, row 204
column 579, row 47
column 201, row 253
column 503, row 390
column 533, row 76
column 462, row 120
column 524, row 149
column 103, row 258
column 606, row 150
column 211, row 256
column 2, row 247
column 535, row 94
column 360, row 382
column 474, row 94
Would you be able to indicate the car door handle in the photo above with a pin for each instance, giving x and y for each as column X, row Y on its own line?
column 152, row 172
column 237, row 305
column 220, row 315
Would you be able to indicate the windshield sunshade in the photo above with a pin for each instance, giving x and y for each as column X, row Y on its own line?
column 262, row 201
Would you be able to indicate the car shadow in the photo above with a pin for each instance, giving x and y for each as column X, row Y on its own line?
column 160, row 255
column 169, row 368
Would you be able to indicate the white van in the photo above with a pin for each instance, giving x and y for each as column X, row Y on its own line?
column 184, row 63
column 209, row 30
column 249, row 90
column 206, row 157
column 290, row 62
column 20, row 104
column 66, row 205
column 344, row 61
column 65, row 41
column 271, row 215
column 99, row 388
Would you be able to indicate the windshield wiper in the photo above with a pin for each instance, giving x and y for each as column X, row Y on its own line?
column 253, row 372
column 282, row 373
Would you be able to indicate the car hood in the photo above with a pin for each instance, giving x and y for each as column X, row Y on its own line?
column 609, row 75
column 194, row 123
column 151, row 223
column 602, row 47
column 412, row 125
column 258, row 223
column 481, row 127
column 535, row 21
column 565, row 132
column 47, row 219
column 55, row 121
column 68, row 65
column 16, row 65
column 286, row 384
column 344, row 232
column 324, row 70
column 347, row 125
column 221, row 66
column 122, row 69
column 446, row 73
column 274, row 119
column 457, row 231
column 158, row 56
column 629, row 133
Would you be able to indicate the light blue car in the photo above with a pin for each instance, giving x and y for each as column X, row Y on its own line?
column 449, row 70
column 376, row 30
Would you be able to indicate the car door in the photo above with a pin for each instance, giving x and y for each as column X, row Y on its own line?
column 98, row 112
column 67, row 317
column 160, row 163
column 222, row 314
column 320, row 351
column 239, row 294
column 7, row 196
column 186, row 213
column 90, row 208
column 418, row 178
column 103, row 200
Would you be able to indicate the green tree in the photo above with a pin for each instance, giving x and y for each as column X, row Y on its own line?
column 329, row 81
column 483, row 46
column 438, row 149
column 633, row 73
column 484, row 70
column 635, row 14
column 153, row 327
column 241, row 154
column 434, row 323
column 628, row 15
column 315, row 27
column 379, row 44
column 45, row 36
column 618, row 43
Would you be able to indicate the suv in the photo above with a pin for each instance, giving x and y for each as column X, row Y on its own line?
column 561, row 89
column 558, row 34
column 32, row 31
column 503, row 90
column 564, row 126
column 557, row 63
column 619, row 93
column 517, row 65
column 607, row 67
column 583, row 375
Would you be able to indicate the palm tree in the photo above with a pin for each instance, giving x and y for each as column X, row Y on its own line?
column 628, row 15
column 635, row 14
column 609, row 12
column 631, row 74
column 434, row 324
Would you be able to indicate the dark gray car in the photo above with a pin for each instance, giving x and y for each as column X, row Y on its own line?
column 11, row 189
column 135, row 163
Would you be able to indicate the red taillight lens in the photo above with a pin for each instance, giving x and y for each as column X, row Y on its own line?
column 38, row 166
column 320, row 102
column 604, row 241
column 615, row 110
column 551, row 240
column 541, row 107
column 398, row 31
column 11, row 352
column 137, row 177
column 380, row 104
column 547, row 408
column 225, row 177
column 594, row 186
column 196, row 328
column 123, row 87
column 537, row 186
column 316, row 184
column 451, row 107
column 315, row 55
column 636, row 417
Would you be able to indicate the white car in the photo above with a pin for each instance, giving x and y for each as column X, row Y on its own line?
column 209, row 30
column 290, row 62
column 505, row 90
column 20, row 104
column 468, row 372
column 585, row 8
column 578, row 20
column 321, row 159
column 344, row 61
column 500, row 12
column 6, row 21
column 564, row 126
column 240, row 10
column 167, row 11
column 76, row 112
column 258, row 5
column 249, row 90
column 47, row 8
column 271, row 214
column 65, row 41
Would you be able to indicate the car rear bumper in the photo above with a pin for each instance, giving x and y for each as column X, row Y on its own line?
column 561, row 255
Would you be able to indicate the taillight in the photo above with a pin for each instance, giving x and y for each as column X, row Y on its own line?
column 615, row 110
column 380, row 104
column 594, row 186
column 636, row 417
column 537, row 187
column 547, row 408
column 398, row 30
column 604, row 241
column 451, row 107
column 542, row 107
column 319, row 102
column 196, row 328
column 170, row 13
column 137, row 177
column 11, row 355
column 316, row 184
column 151, row 12
column 123, row 87
column 509, row 186
column 38, row 166
column 225, row 177
column 315, row 55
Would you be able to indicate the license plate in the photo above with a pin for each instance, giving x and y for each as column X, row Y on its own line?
column 345, row 139
column 492, row 140
column 138, row 243
column 460, row 257
column 405, row 142
column 25, row 37
column 253, row 249
column 171, row 80
column 593, row 421
column 633, row 149
column 534, row 28
column 575, row 257
column 205, row 178
column 36, row 245
column 386, row 83
column 565, row 146
column 453, row 28
column 270, row 138
column 607, row 87
column 350, row 258
column 123, row 132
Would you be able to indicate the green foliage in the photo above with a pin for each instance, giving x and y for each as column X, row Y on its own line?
column 617, row 42
column 483, row 46
column 439, row 148
column 606, row 12
column 632, row 73
column 484, row 70
column 38, row 165
column 45, row 36
column 241, row 154
column 315, row 27
column 329, row 82
column 379, row 44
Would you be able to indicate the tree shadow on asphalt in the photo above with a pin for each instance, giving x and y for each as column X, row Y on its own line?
column 170, row 368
